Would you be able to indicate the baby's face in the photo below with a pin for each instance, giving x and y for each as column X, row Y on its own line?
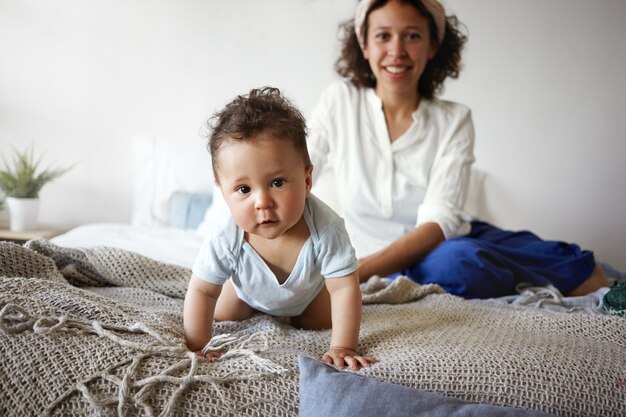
column 265, row 183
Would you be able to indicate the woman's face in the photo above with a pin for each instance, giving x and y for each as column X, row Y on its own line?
column 398, row 47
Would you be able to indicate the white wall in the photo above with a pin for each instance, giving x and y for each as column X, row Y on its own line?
column 546, row 83
column 544, row 79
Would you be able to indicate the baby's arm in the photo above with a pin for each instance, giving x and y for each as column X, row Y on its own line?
column 345, row 303
column 198, row 313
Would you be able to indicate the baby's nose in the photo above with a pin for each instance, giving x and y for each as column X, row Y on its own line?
column 263, row 200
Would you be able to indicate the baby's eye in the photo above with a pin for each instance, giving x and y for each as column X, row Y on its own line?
column 243, row 189
column 278, row 182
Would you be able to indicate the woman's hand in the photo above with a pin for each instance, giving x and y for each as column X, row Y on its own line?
column 403, row 253
column 342, row 357
column 365, row 267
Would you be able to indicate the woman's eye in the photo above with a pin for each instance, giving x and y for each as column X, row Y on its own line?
column 243, row 189
column 382, row 36
column 413, row 36
column 278, row 182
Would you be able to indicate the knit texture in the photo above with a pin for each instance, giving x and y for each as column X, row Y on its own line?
column 99, row 332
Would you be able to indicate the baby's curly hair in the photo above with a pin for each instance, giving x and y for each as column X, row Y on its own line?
column 352, row 65
column 262, row 111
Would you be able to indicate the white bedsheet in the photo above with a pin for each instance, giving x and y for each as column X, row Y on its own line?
column 174, row 246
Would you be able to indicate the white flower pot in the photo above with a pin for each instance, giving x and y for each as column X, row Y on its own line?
column 23, row 213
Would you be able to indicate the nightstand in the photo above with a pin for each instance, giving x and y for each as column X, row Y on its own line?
column 22, row 237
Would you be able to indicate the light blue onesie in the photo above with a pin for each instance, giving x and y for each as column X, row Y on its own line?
column 327, row 253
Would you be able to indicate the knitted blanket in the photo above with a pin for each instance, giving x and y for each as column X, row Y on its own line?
column 99, row 332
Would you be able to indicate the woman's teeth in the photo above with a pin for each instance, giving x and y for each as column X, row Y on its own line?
column 396, row 70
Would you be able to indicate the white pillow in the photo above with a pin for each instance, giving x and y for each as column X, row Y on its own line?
column 162, row 166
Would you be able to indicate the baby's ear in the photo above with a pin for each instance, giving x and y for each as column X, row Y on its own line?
column 309, row 178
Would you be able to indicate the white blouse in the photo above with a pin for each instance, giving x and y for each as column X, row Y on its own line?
column 384, row 189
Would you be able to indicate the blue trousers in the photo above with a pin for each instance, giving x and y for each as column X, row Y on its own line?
column 490, row 262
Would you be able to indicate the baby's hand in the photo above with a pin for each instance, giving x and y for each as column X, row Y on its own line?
column 342, row 357
column 210, row 355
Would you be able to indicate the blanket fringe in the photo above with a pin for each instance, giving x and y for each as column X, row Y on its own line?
column 14, row 319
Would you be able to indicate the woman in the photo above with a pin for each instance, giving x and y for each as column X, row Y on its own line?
column 401, row 162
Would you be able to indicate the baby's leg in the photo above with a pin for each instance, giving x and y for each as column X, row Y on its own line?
column 229, row 307
column 317, row 315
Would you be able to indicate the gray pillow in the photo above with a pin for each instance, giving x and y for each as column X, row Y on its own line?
column 325, row 391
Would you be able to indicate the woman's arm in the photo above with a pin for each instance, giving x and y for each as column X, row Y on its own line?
column 403, row 253
column 345, row 304
column 198, row 313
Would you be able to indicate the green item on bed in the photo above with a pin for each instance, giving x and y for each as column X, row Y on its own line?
column 615, row 300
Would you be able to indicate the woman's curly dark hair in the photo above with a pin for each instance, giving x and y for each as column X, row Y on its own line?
column 262, row 111
column 352, row 65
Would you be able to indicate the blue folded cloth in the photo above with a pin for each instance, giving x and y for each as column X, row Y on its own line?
column 186, row 210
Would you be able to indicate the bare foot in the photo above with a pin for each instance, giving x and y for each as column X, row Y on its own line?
column 596, row 280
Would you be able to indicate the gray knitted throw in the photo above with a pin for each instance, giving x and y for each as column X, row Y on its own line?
column 99, row 332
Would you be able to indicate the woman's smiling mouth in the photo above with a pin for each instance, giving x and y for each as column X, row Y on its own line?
column 397, row 69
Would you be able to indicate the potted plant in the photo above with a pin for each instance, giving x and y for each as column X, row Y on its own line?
column 21, row 184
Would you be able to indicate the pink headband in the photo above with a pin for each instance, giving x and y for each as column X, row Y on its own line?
column 433, row 6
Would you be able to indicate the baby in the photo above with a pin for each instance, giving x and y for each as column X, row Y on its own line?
column 283, row 252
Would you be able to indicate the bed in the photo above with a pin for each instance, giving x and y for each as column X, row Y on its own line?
column 91, row 324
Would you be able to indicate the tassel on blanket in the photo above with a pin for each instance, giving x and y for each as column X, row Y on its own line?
column 238, row 346
column 14, row 320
